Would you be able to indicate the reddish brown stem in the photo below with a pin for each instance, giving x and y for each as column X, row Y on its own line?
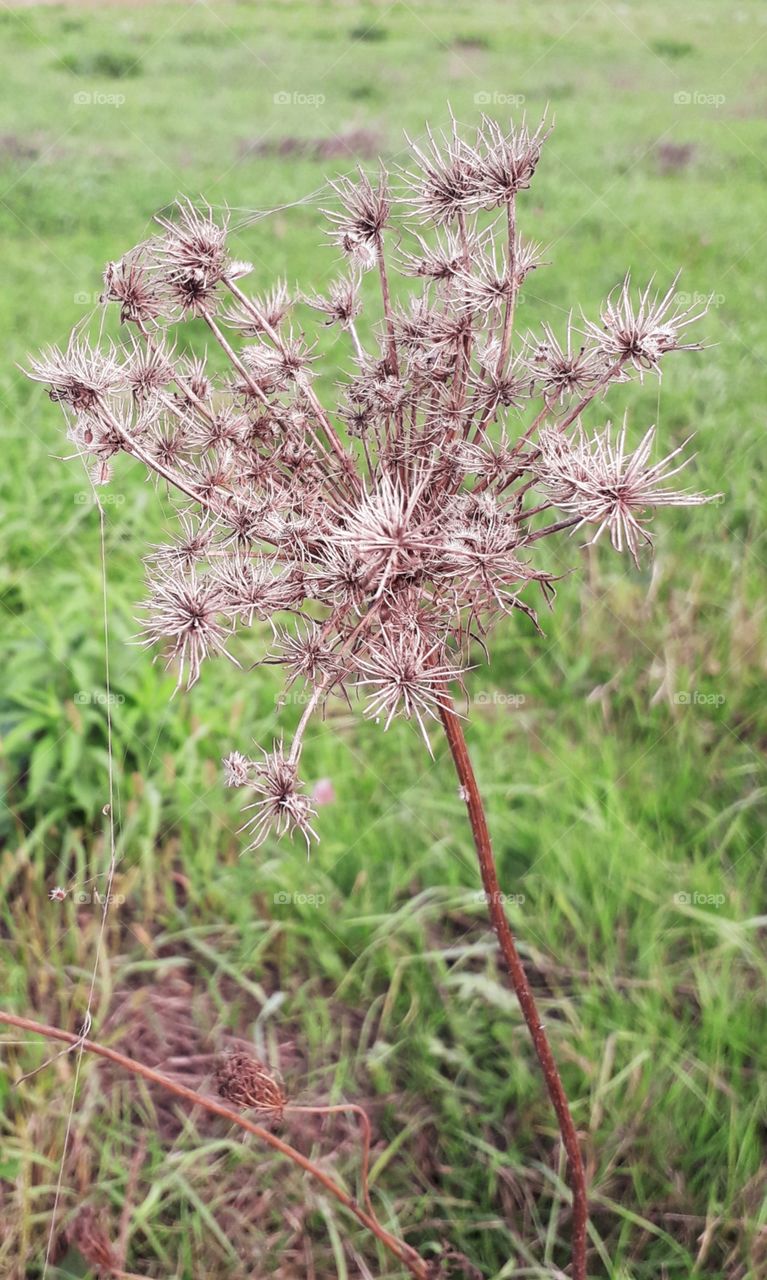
column 522, row 989
column 508, row 315
column 343, row 1108
column 402, row 1251
column 391, row 340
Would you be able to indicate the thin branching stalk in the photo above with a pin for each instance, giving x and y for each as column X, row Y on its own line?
column 508, row 314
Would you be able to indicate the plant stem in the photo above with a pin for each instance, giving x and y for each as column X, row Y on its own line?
column 402, row 1251
column 343, row 1108
column 522, row 989
column 508, row 315
column 391, row 340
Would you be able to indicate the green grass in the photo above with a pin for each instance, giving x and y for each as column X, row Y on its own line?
column 607, row 797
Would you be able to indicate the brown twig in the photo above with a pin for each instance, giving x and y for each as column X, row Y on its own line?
column 523, row 991
column 508, row 315
column 364, row 1120
column 400, row 1250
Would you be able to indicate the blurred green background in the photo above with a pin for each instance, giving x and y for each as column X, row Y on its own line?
column 622, row 756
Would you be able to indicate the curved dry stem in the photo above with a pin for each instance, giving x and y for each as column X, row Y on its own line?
column 364, row 1119
column 400, row 1250
column 522, row 988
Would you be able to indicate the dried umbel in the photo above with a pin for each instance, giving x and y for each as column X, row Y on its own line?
column 246, row 1082
column 381, row 535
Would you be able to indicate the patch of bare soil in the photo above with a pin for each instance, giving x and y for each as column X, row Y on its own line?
column 362, row 144
column 674, row 156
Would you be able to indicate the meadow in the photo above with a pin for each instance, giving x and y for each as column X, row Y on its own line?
column 621, row 755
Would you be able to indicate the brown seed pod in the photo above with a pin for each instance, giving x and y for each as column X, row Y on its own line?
column 246, row 1082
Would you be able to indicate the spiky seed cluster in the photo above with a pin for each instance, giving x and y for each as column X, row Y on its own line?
column 604, row 484
column 246, row 1082
column 382, row 534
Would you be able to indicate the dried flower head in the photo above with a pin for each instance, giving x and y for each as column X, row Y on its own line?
column 82, row 377
column 509, row 160
column 444, row 180
column 381, row 530
column 341, row 305
column 186, row 612
column 639, row 332
column 247, row 1083
column 602, row 483
column 358, row 228
column 280, row 804
column 132, row 285
column 561, row 370
column 238, row 769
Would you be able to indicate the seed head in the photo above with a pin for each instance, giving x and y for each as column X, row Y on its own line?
column 185, row 612
column 641, row 332
column 603, row 483
column 280, row 805
column 247, row 1083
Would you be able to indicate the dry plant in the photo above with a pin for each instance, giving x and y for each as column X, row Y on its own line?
column 381, row 535
column 241, row 1080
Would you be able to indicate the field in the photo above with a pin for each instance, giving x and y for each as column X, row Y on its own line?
column 622, row 755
